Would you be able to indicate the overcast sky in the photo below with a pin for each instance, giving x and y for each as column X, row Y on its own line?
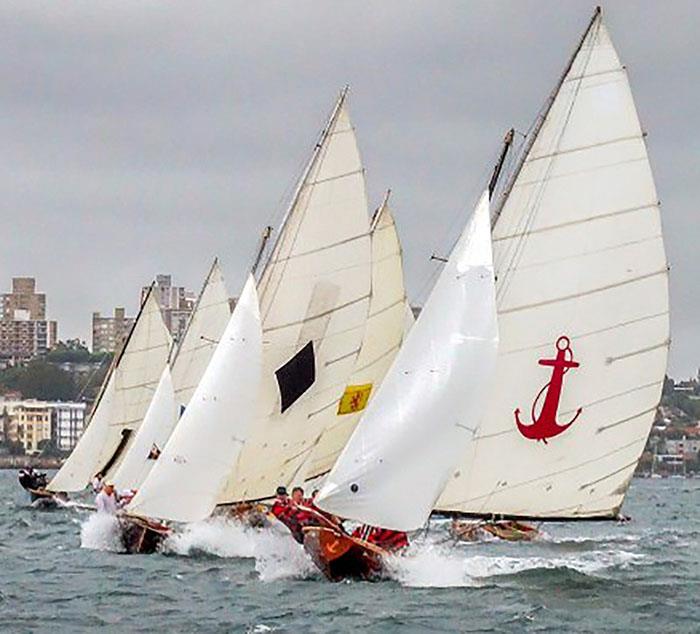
column 147, row 137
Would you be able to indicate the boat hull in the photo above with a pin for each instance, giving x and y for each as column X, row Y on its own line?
column 339, row 556
column 140, row 536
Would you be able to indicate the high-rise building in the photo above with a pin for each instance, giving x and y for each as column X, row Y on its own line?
column 176, row 303
column 67, row 423
column 24, row 330
column 23, row 302
column 109, row 332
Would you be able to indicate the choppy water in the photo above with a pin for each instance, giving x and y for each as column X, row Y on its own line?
column 59, row 571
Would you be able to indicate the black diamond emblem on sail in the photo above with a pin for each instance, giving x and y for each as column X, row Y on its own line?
column 297, row 375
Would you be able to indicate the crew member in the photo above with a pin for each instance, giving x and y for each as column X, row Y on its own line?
column 106, row 500
column 383, row 537
column 96, row 482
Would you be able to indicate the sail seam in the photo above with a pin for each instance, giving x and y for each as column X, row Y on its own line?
column 612, row 397
column 610, row 71
column 489, row 495
column 627, row 419
column 342, row 357
column 593, row 291
column 325, row 313
column 609, row 475
column 320, row 181
column 570, row 223
column 325, row 247
column 583, row 148
column 664, row 344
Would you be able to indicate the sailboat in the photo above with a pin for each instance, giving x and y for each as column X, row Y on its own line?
column 122, row 403
column 185, row 481
column 425, row 414
column 315, row 295
column 197, row 458
column 187, row 362
column 583, row 309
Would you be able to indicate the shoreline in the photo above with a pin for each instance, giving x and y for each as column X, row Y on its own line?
column 36, row 462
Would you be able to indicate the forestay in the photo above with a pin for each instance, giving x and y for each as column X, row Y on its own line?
column 583, row 310
column 123, row 401
column 428, row 408
column 186, row 480
column 314, row 297
column 188, row 360
column 384, row 332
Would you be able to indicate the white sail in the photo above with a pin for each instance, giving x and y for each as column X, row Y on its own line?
column 158, row 424
column 188, row 476
column 314, row 298
column 188, row 361
column 581, row 270
column 384, row 332
column 209, row 318
column 122, row 404
column 428, row 408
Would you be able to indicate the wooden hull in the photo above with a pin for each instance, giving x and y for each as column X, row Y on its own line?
column 339, row 556
column 140, row 536
column 511, row 531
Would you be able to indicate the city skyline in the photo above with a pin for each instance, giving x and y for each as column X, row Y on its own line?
column 134, row 154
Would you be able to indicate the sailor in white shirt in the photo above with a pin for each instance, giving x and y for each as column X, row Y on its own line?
column 106, row 500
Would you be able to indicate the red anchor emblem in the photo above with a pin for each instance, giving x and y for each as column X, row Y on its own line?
column 545, row 424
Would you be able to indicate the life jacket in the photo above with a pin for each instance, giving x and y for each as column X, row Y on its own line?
column 384, row 538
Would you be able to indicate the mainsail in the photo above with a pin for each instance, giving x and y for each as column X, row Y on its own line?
column 185, row 481
column 123, row 402
column 188, row 361
column 428, row 407
column 583, row 309
column 314, row 299
column 384, row 332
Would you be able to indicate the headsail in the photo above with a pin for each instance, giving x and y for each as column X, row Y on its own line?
column 428, row 408
column 314, row 298
column 583, row 309
column 188, row 360
column 384, row 332
column 149, row 440
column 123, row 402
column 187, row 478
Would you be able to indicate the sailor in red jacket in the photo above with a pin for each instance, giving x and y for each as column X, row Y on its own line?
column 383, row 537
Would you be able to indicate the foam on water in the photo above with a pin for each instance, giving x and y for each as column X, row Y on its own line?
column 100, row 531
column 215, row 536
column 278, row 556
column 441, row 566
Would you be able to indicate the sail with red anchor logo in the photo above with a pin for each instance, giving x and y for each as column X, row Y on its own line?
column 583, row 307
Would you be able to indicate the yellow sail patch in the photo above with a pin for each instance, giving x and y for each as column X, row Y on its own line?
column 354, row 399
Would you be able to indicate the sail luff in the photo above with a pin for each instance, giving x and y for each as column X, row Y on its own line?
column 304, row 177
column 539, row 121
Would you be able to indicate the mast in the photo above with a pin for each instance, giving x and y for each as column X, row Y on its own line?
column 507, row 144
column 541, row 118
column 266, row 233
column 309, row 167
column 375, row 215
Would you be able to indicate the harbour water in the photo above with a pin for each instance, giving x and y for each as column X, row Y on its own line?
column 60, row 571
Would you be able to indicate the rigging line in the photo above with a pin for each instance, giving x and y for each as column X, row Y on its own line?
column 538, row 191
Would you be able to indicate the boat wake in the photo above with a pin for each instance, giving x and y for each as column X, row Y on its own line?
column 216, row 536
column 442, row 566
column 100, row 531
column 279, row 557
